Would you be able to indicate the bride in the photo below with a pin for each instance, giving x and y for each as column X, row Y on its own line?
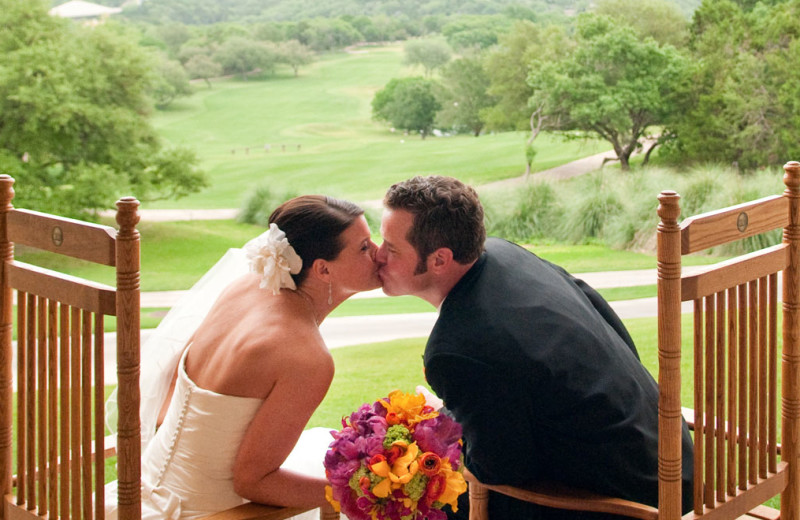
column 255, row 369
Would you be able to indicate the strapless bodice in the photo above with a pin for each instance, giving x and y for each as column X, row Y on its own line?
column 189, row 463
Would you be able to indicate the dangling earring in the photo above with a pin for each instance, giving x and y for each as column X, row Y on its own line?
column 330, row 293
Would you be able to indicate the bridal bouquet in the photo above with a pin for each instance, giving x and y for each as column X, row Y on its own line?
column 395, row 459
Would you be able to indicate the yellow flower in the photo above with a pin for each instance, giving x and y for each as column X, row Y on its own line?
column 329, row 497
column 454, row 485
column 408, row 409
column 399, row 473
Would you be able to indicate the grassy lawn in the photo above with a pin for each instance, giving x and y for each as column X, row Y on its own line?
column 367, row 372
column 613, row 294
column 376, row 306
column 176, row 254
column 322, row 139
column 583, row 258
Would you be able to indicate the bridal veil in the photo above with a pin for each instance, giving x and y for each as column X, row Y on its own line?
column 163, row 347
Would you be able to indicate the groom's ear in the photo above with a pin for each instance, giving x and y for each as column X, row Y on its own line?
column 440, row 260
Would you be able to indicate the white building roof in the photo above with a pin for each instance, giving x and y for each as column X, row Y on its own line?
column 81, row 9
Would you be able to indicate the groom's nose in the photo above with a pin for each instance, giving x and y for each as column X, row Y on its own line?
column 380, row 255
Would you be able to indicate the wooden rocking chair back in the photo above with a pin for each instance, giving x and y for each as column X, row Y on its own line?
column 56, row 365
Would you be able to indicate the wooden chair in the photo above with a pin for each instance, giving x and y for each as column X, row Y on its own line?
column 59, row 358
column 739, row 462
column 59, row 374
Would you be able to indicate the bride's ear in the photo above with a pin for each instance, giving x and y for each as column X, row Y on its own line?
column 320, row 270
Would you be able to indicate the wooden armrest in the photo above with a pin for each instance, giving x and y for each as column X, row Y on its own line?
column 560, row 496
column 253, row 511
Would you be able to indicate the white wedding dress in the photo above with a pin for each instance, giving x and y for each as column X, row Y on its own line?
column 187, row 464
column 187, row 469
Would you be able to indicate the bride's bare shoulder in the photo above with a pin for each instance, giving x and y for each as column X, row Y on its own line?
column 252, row 338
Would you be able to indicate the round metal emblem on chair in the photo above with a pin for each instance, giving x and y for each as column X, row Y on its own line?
column 57, row 236
column 741, row 222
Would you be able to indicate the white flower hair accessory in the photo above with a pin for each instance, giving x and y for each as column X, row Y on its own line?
column 271, row 256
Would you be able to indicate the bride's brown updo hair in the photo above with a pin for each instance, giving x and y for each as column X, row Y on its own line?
column 313, row 224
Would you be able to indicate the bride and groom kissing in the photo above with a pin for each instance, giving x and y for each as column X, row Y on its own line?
column 535, row 366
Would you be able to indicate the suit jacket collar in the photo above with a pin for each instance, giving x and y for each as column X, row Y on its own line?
column 468, row 279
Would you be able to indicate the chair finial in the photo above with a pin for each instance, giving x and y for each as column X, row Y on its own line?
column 791, row 177
column 668, row 208
column 127, row 213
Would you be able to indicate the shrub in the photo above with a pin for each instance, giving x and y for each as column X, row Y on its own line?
column 260, row 204
column 596, row 202
column 536, row 214
column 619, row 209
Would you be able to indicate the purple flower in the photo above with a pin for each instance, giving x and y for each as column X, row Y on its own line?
column 339, row 474
column 369, row 446
column 440, row 435
column 369, row 418
column 343, row 457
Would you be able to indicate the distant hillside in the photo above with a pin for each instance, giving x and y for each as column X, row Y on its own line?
column 215, row 11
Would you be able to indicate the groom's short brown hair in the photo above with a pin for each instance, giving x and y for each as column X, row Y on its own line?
column 447, row 213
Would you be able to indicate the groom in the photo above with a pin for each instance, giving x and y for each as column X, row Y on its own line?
column 534, row 364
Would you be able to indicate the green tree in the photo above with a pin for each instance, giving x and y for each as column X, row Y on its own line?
column 324, row 34
column 408, row 104
column 73, row 116
column 294, row 54
column 170, row 82
column 173, row 35
column 660, row 19
column 508, row 66
column 743, row 100
column 430, row 54
column 465, row 95
column 269, row 31
column 530, row 155
column 614, row 86
column 189, row 51
column 203, row 67
column 749, row 5
column 475, row 31
column 243, row 56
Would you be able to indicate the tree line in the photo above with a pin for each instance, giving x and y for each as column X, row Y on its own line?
column 721, row 87
column 204, row 12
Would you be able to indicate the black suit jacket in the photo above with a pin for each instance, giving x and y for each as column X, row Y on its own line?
column 546, row 381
